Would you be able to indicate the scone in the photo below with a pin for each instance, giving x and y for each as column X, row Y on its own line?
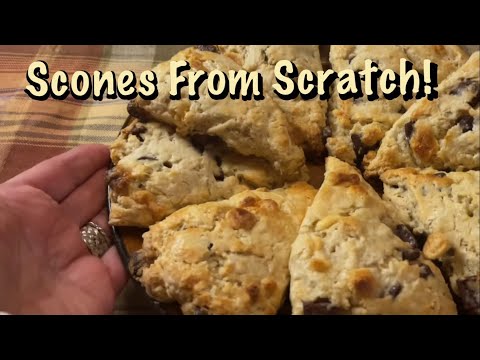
column 443, row 134
column 258, row 128
column 225, row 257
column 306, row 118
column 357, row 126
column 352, row 257
column 156, row 172
column 443, row 209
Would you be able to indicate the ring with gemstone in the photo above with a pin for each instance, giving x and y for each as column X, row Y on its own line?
column 95, row 238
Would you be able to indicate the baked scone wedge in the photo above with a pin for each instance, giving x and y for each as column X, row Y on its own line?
column 306, row 118
column 157, row 172
column 443, row 134
column 258, row 128
column 225, row 257
column 348, row 258
column 357, row 126
column 444, row 209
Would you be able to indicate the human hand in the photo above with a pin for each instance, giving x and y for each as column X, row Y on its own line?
column 45, row 267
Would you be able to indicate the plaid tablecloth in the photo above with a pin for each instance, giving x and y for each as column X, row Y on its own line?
column 31, row 131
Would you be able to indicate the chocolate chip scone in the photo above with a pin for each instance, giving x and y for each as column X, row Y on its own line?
column 225, row 257
column 352, row 257
column 306, row 118
column 444, row 209
column 443, row 133
column 258, row 128
column 357, row 126
column 156, row 172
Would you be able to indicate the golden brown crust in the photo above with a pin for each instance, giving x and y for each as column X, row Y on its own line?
column 443, row 133
column 348, row 258
column 226, row 257
column 257, row 128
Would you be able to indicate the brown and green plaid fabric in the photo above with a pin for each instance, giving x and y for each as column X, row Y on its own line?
column 31, row 131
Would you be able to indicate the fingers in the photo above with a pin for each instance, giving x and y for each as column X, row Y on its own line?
column 62, row 174
column 117, row 271
column 87, row 200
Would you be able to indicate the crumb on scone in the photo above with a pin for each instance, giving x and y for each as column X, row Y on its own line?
column 351, row 255
column 224, row 257
column 444, row 208
column 357, row 126
column 443, row 134
column 156, row 172
column 251, row 128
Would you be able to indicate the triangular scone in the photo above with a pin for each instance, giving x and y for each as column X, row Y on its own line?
column 444, row 207
column 357, row 126
column 156, row 172
column 348, row 260
column 306, row 118
column 443, row 133
column 225, row 257
column 258, row 128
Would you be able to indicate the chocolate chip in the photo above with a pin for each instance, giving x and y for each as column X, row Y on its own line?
column 440, row 174
column 410, row 254
column 218, row 160
column 404, row 233
column 358, row 148
column 220, row 176
column 138, row 261
column 464, row 84
column 321, row 306
column 147, row 158
column 465, row 122
column 137, row 130
column 409, row 130
column 209, row 247
column 469, row 292
column 395, row 290
column 475, row 101
column 402, row 110
column 211, row 48
column 425, row 271
column 167, row 164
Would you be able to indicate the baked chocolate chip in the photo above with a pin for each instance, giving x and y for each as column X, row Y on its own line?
column 410, row 254
column 464, row 84
column 138, row 261
column 409, row 130
column 404, row 233
column 475, row 101
column 402, row 110
column 465, row 122
column 440, row 174
column 321, row 306
column 147, row 158
column 220, row 176
column 168, row 164
column 209, row 247
column 211, row 48
column 425, row 271
column 469, row 292
column 218, row 160
column 359, row 149
column 137, row 130
column 395, row 290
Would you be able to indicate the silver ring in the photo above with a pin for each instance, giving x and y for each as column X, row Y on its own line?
column 95, row 238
